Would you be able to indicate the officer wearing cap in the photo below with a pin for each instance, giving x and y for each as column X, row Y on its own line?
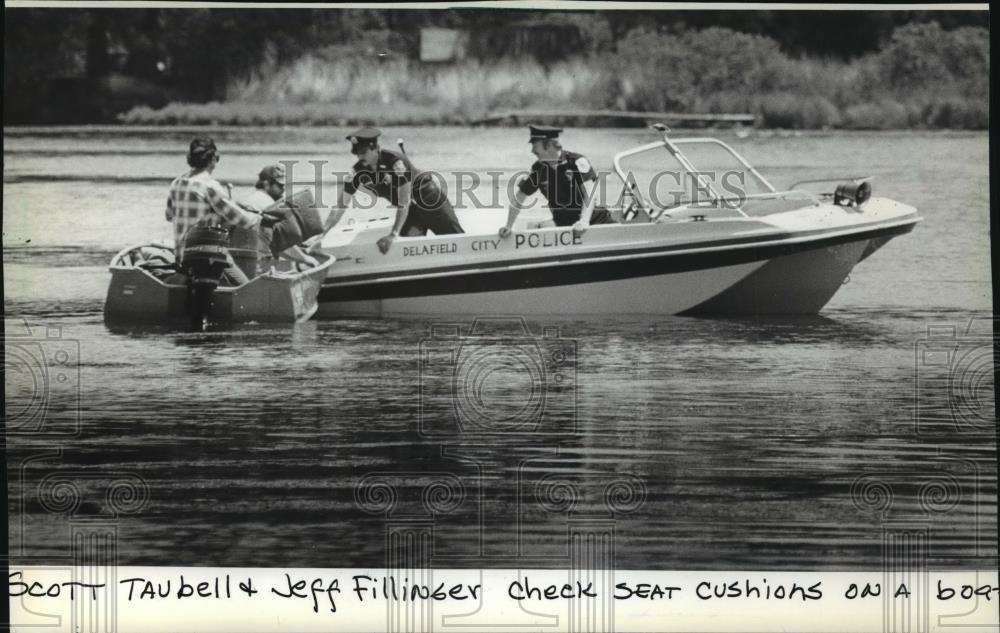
column 421, row 204
column 565, row 178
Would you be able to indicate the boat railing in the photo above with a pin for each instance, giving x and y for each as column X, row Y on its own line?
column 813, row 181
column 126, row 258
column 673, row 147
column 768, row 195
column 705, row 140
column 746, row 207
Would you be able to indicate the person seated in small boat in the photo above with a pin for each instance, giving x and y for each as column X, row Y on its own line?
column 196, row 198
column 421, row 205
column 269, row 189
column 566, row 180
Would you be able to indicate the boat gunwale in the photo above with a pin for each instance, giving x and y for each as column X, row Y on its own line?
column 291, row 278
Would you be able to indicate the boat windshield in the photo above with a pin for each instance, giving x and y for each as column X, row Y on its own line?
column 701, row 171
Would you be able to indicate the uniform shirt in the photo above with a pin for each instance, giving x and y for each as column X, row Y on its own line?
column 392, row 171
column 199, row 196
column 561, row 181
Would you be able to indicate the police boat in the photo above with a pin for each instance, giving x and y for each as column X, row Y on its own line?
column 149, row 286
column 730, row 244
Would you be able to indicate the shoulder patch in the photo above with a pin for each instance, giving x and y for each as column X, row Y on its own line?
column 583, row 165
column 399, row 167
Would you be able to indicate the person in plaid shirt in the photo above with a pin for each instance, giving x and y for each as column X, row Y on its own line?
column 196, row 197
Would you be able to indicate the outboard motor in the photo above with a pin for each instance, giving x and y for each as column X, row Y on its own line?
column 204, row 261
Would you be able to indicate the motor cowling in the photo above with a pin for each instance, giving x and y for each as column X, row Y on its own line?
column 852, row 194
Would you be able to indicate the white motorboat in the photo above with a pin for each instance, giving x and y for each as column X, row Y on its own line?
column 733, row 244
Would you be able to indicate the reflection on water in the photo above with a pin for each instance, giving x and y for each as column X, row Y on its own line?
column 729, row 443
column 755, row 443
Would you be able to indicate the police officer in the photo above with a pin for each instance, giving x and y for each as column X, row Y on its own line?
column 565, row 178
column 421, row 204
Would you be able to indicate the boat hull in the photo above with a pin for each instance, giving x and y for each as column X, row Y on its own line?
column 760, row 272
column 136, row 296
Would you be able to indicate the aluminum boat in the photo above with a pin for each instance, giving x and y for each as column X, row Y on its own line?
column 734, row 244
column 148, row 288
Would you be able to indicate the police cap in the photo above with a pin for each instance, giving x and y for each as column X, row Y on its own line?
column 543, row 133
column 363, row 139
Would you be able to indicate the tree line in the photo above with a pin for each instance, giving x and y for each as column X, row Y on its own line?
column 55, row 57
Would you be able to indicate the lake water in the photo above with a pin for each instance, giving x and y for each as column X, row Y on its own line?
column 756, row 443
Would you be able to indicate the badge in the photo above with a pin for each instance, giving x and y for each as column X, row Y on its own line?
column 399, row 167
column 353, row 140
column 583, row 165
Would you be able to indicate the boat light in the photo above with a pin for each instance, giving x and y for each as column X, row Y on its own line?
column 853, row 194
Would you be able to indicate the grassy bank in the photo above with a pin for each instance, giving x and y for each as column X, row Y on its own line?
column 924, row 77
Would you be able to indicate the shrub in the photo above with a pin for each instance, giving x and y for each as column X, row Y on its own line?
column 787, row 110
column 655, row 72
column 958, row 113
column 882, row 115
column 924, row 57
column 723, row 59
column 925, row 76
